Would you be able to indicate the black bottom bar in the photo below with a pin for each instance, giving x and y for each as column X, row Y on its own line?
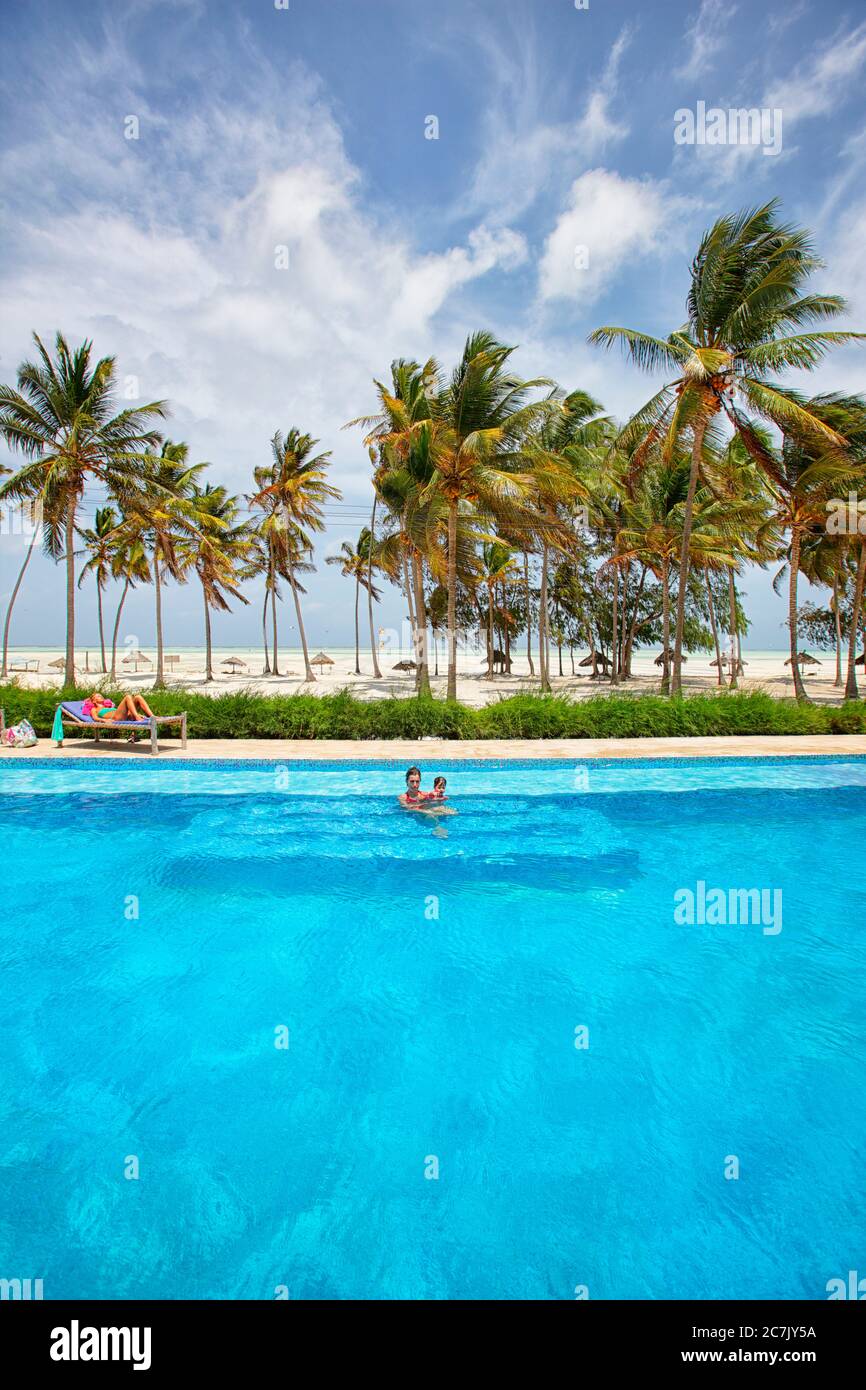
column 168, row 1338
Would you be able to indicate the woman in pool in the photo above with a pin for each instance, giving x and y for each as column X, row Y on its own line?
column 131, row 707
column 412, row 798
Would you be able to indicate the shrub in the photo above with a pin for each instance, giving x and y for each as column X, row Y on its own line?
column 244, row 714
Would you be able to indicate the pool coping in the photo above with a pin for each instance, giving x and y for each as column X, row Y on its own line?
column 264, row 751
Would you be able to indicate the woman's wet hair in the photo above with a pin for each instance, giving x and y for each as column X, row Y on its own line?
column 413, row 772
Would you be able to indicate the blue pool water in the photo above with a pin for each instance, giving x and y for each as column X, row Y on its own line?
column 159, row 924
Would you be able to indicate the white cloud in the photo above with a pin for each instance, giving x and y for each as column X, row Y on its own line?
column 523, row 153
column 609, row 222
column 823, row 81
column 166, row 255
column 706, row 37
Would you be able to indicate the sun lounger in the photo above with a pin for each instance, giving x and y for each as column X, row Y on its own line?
column 70, row 715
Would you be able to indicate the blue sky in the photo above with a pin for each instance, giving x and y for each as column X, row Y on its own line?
column 305, row 127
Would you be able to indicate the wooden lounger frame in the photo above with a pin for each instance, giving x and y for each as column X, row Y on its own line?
column 71, row 721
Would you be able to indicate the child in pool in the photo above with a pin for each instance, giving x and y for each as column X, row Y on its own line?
column 438, row 792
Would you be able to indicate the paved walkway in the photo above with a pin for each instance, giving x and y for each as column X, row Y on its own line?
column 408, row 751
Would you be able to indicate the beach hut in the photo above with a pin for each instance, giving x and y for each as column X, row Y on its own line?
column 235, row 664
column 321, row 660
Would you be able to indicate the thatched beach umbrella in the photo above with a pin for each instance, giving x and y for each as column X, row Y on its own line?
column 321, row 660
column 171, row 661
column 138, row 658
column 805, row 659
column 600, row 660
column 235, row 663
column 405, row 665
column 723, row 661
column 660, row 659
column 58, row 665
column 860, row 660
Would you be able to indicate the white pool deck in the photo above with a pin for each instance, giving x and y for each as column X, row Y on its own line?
column 408, row 750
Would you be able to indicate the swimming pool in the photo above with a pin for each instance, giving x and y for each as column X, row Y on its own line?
column 349, row 1057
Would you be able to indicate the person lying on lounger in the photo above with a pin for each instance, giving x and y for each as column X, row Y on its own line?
column 131, row 708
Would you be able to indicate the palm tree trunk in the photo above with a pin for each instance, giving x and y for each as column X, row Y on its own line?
column 697, row 450
column 799, row 687
column 632, row 631
column 410, row 605
column 376, row 672
column 307, row 667
column 542, row 622
column 452, row 600
column 528, row 614
column 274, row 626
column 267, row 670
column 12, row 602
column 625, row 578
column 838, row 623
column 559, row 639
column 422, row 684
column 489, row 632
column 69, row 672
column 666, row 627
column 735, row 650
column 113, row 676
column 851, row 691
column 101, row 629
column 614, row 644
column 592, row 651
column 506, row 644
column 158, row 681
column 357, row 633
column 713, row 625
column 208, row 656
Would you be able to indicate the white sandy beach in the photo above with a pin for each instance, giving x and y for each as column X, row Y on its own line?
column 765, row 670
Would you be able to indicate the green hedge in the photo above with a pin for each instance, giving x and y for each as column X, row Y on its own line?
column 247, row 715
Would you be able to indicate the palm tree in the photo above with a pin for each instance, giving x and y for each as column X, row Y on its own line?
column 39, row 525
column 219, row 553
column 62, row 419
column 165, row 508
column 299, row 489
column 355, row 563
column 98, row 542
column 800, row 482
column 129, row 563
column 559, row 447
column 480, row 420
column 497, row 565
column 652, row 531
column 399, row 438
column 270, row 532
column 747, row 293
